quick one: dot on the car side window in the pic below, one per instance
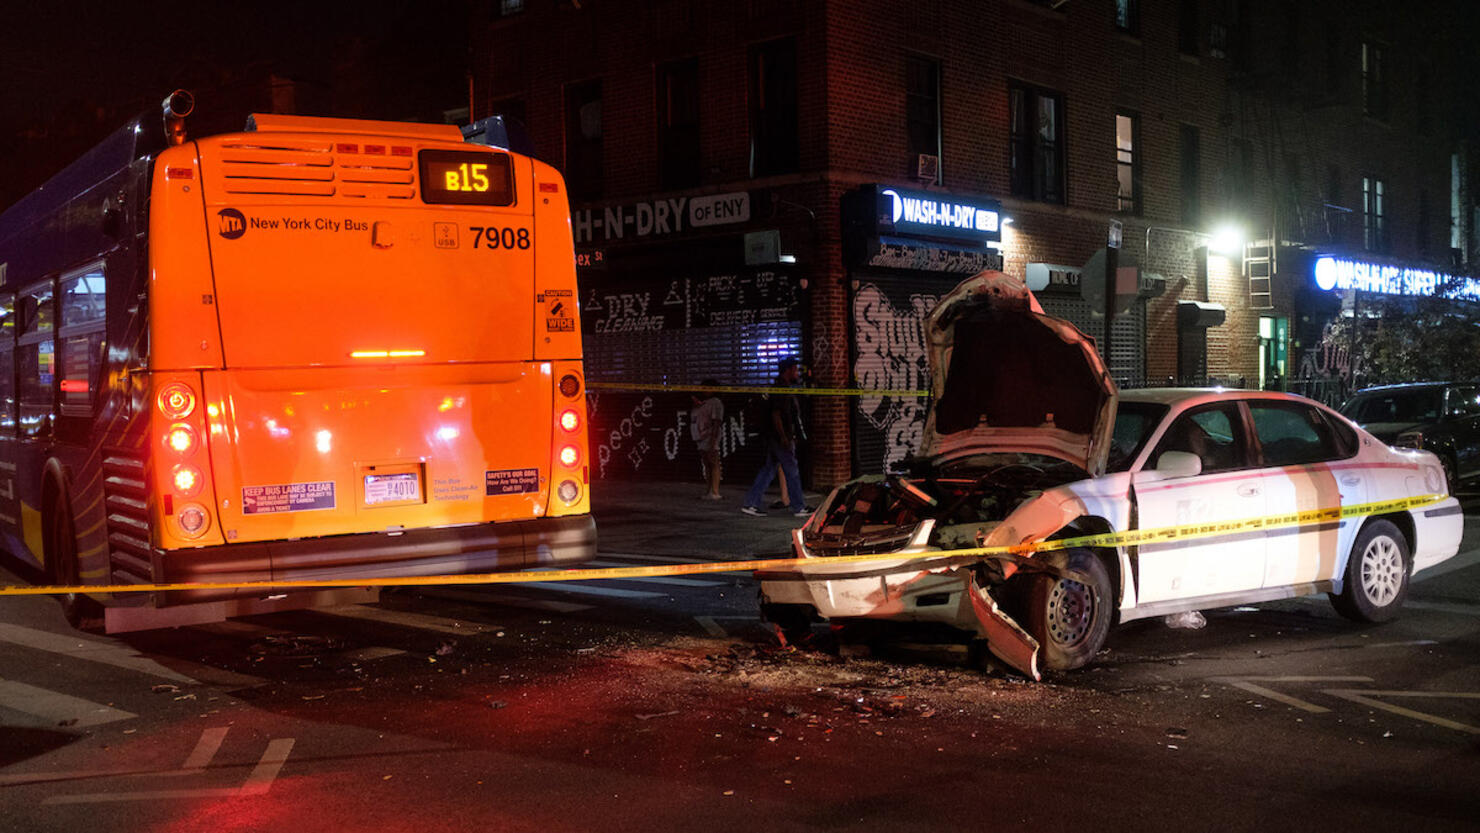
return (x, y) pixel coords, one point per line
(1210, 433)
(1292, 434)
(1463, 400)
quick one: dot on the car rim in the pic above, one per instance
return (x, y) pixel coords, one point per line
(1382, 571)
(1070, 610)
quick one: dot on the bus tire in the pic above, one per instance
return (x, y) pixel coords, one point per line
(81, 611)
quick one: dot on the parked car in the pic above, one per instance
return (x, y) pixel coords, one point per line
(1442, 417)
(1029, 440)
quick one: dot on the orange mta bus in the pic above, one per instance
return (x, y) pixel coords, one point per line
(315, 349)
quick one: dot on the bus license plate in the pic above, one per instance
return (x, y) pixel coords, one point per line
(385, 488)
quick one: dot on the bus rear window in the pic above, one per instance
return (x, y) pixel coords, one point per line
(460, 177)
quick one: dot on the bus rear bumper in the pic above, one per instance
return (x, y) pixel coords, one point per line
(459, 550)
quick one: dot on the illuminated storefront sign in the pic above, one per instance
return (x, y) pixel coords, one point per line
(1340, 273)
(927, 214)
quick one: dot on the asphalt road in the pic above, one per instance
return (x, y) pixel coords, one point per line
(664, 704)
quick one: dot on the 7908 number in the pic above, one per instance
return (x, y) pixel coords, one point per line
(493, 237)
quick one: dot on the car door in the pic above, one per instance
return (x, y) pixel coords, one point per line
(1304, 466)
(1226, 490)
(1462, 423)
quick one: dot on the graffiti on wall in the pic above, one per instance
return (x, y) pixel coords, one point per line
(891, 355)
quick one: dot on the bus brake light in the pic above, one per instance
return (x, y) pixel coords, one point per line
(569, 455)
(570, 420)
(180, 439)
(186, 480)
(570, 385)
(176, 400)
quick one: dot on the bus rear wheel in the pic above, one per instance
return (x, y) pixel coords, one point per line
(81, 611)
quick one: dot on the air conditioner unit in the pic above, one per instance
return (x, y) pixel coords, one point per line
(927, 167)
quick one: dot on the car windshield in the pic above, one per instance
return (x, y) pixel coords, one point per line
(1134, 422)
(1421, 405)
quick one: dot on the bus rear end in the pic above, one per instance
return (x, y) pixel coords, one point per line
(364, 359)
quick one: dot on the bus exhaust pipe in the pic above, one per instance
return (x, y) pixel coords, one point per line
(177, 105)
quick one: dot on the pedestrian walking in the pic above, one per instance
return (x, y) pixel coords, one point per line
(706, 423)
(781, 431)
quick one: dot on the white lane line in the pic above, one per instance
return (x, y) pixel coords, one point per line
(711, 626)
(370, 654)
(107, 653)
(205, 750)
(588, 590)
(420, 621)
(257, 783)
(56, 708)
(502, 599)
(260, 781)
(1369, 698)
(1249, 684)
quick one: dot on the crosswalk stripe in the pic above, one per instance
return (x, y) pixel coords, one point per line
(421, 621)
(56, 708)
(107, 653)
(589, 590)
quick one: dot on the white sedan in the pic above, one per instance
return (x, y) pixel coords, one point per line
(1029, 440)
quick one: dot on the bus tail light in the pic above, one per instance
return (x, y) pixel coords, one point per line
(570, 420)
(569, 385)
(569, 455)
(180, 439)
(569, 492)
(193, 520)
(176, 400)
(186, 480)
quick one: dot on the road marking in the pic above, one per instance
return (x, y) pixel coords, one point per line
(420, 621)
(370, 654)
(1368, 698)
(711, 626)
(205, 750)
(260, 781)
(1248, 684)
(56, 708)
(587, 590)
(257, 783)
(503, 599)
(106, 653)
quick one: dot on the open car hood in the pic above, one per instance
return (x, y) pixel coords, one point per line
(1005, 377)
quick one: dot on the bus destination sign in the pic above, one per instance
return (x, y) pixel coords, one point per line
(464, 177)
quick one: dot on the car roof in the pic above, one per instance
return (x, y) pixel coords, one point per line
(1184, 396)
(1406, 386)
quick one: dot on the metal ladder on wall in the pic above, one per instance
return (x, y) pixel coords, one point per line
(1259, 267)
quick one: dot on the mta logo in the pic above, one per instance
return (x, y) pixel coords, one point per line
(230, 223)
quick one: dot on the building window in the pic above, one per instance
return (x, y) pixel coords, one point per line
(1374, 80)
(1374, 232)
(1187, 27)
(583, 172)
(1128, 16)
(678, 124)
(507, 8)
(922, 109)
(1036, 145)
(773, 108)
(1189, 150)
(1127, 163)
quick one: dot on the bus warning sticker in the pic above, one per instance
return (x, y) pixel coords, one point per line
(288, 497)
(511, 481)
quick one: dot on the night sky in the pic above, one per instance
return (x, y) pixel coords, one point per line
(71, 72)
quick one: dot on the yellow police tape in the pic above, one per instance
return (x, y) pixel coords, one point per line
(645, 388)
(1109, 539)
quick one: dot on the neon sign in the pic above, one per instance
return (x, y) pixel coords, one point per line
(1333, 273)
(927, 214)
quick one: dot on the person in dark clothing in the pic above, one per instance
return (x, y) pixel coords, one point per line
(781, 433)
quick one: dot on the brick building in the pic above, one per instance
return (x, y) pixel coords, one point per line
(771, 177)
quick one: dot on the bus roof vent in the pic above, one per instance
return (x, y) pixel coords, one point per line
(275, 123)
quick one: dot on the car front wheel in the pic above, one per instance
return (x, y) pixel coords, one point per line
(1070, 617)
(1376, 575)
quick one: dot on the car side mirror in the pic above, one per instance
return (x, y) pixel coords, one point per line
(1178, 464)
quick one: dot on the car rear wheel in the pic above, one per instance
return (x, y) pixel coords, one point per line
(1070, 617)
(1376, 580)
